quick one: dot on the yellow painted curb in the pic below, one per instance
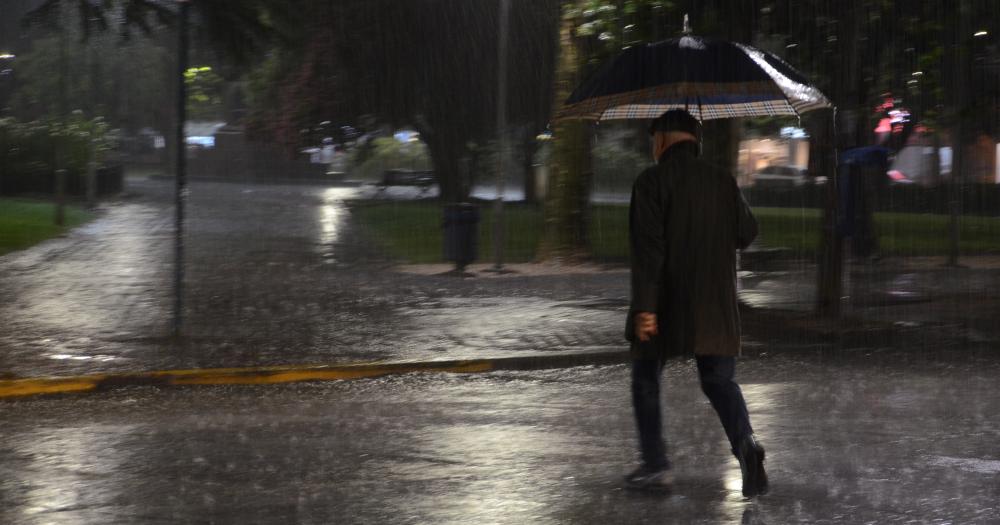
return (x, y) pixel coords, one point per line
(273, 375)
(230, 376)
(48, 385)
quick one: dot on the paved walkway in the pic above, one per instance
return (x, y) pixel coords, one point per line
(275, 275)
(280, 275)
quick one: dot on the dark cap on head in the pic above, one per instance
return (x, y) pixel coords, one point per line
(675, 120)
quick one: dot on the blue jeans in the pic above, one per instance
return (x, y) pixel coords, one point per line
(716, 375)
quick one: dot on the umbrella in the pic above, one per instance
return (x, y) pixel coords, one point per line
(709, 78)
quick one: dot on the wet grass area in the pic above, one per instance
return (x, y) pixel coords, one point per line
(411, 231)
(24, 223)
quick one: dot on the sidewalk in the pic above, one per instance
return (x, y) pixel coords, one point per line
(278, 275)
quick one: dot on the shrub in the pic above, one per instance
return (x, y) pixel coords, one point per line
(369, 161)
(38, 146)
(30, 152)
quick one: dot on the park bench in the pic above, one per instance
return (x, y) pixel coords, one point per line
(421, 179)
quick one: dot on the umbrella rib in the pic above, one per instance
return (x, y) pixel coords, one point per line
(761, 84)
(784, 84)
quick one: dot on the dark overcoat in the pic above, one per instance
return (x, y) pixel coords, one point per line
(687, 218)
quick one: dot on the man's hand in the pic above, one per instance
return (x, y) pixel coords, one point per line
(645, 326)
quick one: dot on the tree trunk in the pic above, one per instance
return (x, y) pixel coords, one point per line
(567, 199)
(565, 231)
(721, 138)
(446, 155)
(823, 163)
(849, 93)
(528, 149)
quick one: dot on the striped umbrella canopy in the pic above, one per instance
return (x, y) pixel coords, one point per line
(709, 78)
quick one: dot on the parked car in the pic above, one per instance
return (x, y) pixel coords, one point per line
(781, 177)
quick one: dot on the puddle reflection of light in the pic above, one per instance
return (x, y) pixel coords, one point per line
(734, 480)
(510, 453)
(764, 401)
(763, 396)
(67, 471)
(63, 357)
(331, 213)
(733, 507)
(124, 274)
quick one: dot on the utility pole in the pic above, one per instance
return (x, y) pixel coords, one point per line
(62, 155)
(498, 225)
(180, 188)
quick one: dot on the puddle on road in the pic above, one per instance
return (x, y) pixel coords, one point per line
(520, 323)
(330, 217)
(975, 465)
(70, 357)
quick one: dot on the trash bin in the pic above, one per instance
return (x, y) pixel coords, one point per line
(461, 223)
(861, 176)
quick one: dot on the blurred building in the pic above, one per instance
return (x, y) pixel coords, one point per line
(789, 151)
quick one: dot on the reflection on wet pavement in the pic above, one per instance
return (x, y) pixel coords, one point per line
(785, 290)
(68, 299)
(508, 325)
(857, 438)
(331, 217)
(39, 486)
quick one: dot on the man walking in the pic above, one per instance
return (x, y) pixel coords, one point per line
(686, 220)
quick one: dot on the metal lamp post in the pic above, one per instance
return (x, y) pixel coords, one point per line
(498, 226)
(180, 189)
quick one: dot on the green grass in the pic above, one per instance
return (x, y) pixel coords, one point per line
(796, 229)
(24, 223)
(915, 234)
(899, 234)
(609, 232)
(411, 231)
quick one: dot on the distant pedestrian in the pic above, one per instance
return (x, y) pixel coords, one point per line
(687, 218)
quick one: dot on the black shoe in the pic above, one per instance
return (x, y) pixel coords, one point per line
(656, 479)
(751, 458)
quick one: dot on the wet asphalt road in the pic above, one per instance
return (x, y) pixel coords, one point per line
(853, 438)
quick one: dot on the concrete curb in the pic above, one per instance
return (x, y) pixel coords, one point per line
(267, 375)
